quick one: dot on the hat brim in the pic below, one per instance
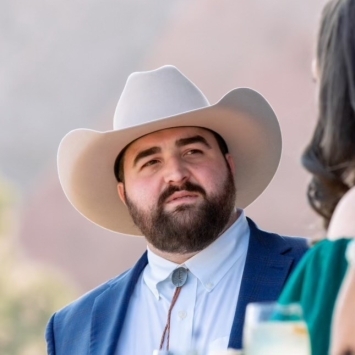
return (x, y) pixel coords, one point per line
(242, 117)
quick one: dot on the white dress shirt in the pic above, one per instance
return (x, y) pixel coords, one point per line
(202, 317)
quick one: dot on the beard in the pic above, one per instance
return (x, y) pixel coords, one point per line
(188, 228)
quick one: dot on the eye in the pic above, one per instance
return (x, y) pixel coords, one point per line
(150, 163)
(193, 152)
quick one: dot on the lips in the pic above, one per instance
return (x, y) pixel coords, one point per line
(181, 195)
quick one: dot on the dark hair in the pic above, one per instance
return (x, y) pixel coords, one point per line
(119, 162)
(330, 156)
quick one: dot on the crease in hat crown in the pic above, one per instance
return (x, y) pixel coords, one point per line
(160, 93)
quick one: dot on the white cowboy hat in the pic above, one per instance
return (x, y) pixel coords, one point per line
(160, 99)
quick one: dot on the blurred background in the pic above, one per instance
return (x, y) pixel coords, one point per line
(63, 65)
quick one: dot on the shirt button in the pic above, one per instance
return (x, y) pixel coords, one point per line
(182, 314)
(209, 285)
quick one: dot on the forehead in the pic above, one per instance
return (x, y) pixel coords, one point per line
(169, 135)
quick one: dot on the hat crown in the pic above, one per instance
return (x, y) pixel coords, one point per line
(151, 95)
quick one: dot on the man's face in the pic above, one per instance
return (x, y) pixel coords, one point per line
(179, 188)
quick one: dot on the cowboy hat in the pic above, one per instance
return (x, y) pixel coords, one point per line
(156, 100)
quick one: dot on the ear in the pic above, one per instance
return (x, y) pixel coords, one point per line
(230, 163)
(121, 192)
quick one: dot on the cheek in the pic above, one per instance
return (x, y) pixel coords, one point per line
(212, 177)
(142, 193)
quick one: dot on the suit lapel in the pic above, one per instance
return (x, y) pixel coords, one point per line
(110, 309)
(265, 273)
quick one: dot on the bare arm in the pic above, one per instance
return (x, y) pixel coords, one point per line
(343, 338)
(343, 225)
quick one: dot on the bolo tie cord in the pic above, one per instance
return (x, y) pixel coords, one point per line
(167, 327)
(179, 278)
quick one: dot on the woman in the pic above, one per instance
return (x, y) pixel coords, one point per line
(330, 158)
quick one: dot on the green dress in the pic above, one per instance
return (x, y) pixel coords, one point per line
(315, 284)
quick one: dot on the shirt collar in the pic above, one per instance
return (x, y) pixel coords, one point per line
(209, 265)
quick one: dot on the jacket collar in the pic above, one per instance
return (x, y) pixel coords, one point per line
(265, 273)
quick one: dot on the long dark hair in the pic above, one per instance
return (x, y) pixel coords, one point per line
(330, 156)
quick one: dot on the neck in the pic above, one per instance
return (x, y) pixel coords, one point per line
(178, 258)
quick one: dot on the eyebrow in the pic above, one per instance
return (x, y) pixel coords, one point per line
(190, 140)
(146, 153)
(179, 143)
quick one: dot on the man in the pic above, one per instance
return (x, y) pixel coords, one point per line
(179, 171)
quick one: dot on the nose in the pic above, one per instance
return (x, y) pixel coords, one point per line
(175, 171)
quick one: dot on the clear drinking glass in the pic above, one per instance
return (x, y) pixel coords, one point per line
(274, 329)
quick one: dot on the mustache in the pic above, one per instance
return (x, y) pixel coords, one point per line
(187, 186)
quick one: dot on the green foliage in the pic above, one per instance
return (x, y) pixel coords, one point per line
(29, 294)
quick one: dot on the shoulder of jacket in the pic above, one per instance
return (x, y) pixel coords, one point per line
(86, 301)
(302, 242)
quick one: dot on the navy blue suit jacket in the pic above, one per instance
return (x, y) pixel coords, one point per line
(93, 323)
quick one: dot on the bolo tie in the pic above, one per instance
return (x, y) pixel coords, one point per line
(179, 278)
